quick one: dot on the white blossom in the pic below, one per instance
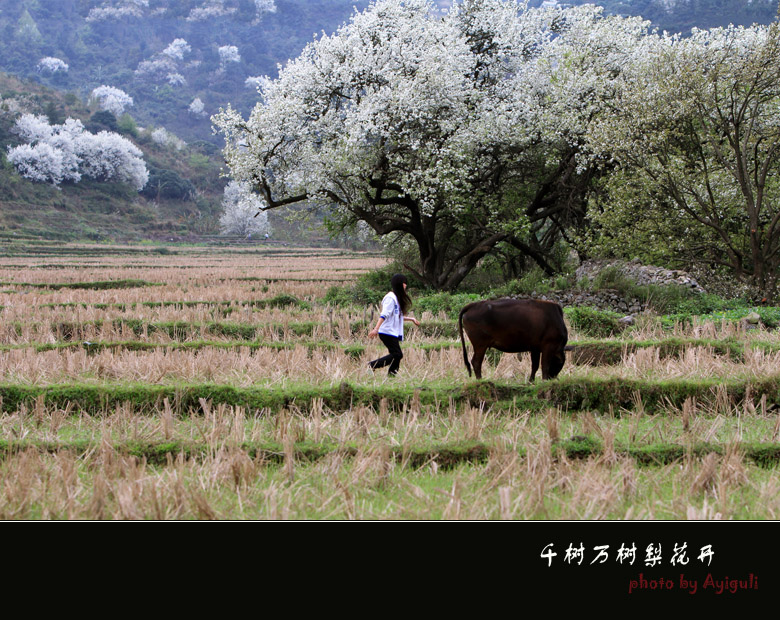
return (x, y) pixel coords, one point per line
(176, 79)
(197, 107)
(163, 137)
(112, 99)
(33, 128)
(228, 53)
(265, 6)
(52, 65)
(177, 49)
(457, 118)
(257, 82)
(163, 65)
(243, 214)
(212, 9)
(40, 162)
(66, 152)
(125, 8)
(109, 156)
(157, 68)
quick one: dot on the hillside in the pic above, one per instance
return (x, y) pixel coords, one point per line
(182, 196)
(227, 42)
(682, 15)
(181, 201)
(181, 61)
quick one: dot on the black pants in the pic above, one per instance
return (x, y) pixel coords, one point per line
(394, 358)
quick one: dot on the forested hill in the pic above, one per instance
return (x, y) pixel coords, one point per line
(682, 15)
(127, 44)
(224, 44)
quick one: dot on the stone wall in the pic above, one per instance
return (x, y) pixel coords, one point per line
(613, 300)
(603, 300)
(639, 273)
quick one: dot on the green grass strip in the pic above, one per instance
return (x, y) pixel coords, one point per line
(98, 285)
(184, 330)
(446, 455)
(594, 353)
(569, 394)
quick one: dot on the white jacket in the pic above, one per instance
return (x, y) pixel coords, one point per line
(394, 318)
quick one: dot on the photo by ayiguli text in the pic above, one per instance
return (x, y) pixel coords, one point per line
(652, 556)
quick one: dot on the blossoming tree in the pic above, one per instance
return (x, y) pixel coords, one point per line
(57, 153)
(454, 133)
(696, 136)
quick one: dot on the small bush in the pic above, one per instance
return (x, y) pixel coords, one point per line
(613, 278)
(533, 282)
(369, 289)
(448, 303)
(593, 322)
(285, 301)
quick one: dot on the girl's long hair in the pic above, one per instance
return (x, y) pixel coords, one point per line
(397, 284)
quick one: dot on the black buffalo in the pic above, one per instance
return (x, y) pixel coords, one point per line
(516, 326)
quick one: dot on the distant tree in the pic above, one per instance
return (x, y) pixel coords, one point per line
(66, 152)
(265, 6)
(167, 184)
(111, 99)
(126, 8)
(197, 107)
(448, 135)
(228, 54)
(242, 211)
(27, 30)
(49, 64)
(54, 113)
(695, 132)
(163, 137)
(210, 10)
(177, 49)
(156, 69)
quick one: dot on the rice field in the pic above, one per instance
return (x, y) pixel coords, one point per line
(216, 383)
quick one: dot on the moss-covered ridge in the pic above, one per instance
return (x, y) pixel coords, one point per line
(444, 455)
(569, 394)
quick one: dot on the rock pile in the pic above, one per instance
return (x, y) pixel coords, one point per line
(602, 300)
(614, 300)
(639, 273)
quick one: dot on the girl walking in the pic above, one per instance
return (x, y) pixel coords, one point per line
(390, 324)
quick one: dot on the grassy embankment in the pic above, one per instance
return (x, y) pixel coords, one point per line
(218, 383)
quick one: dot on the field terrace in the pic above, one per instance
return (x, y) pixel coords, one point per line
(214, 382)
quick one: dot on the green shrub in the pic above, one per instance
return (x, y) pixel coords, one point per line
(663, 299)
(103, 120)
(533, 282)
(612, 278)
(167, 184)
(593, 322)
(770, 315)
(126, 125)
(449, 303)
(284, 301)
(369, 289)
(339, 296)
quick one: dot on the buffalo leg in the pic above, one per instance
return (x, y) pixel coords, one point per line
(534, 365)
(552, 363)
(476, 361)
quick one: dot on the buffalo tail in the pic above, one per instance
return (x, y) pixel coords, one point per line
(463, 341)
